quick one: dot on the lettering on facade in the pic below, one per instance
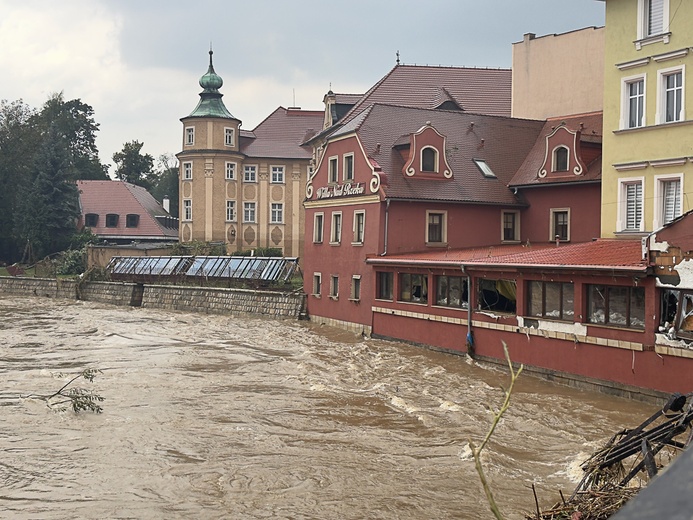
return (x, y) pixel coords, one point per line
(329, 192)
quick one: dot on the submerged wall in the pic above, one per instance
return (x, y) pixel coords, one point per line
(170, 297)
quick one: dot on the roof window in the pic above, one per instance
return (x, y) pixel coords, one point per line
(484, 168)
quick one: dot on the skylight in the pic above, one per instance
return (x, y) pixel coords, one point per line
(484, 168)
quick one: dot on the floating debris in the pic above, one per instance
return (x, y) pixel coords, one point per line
(630, 459)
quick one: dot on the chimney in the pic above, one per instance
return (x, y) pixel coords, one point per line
(166, 203)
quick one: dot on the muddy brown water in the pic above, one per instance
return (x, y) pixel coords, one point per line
(246, 418)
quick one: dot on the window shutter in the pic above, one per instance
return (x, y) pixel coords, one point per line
(633, 205)
(672, 199)
(655, 17)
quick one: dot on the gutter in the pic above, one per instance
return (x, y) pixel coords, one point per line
(387, 219)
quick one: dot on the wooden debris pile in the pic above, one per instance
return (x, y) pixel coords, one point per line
(616, 472)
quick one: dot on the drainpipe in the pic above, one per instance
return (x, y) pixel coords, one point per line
(387, 218)
(470, 334)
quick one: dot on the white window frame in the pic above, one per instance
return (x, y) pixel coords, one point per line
(250, 173)
(277, 175)
(187, 210)
(187, 171)
(317, 284)
(552, 224)
(318, 232)
(659, 218)
(249, 212)
(229, 136)
(333, 172)
(516, 238)
(359, 231)
(443, 231)
(643, 22)
(662, 76)
(436, 161)
(189, 135)
(345, 169)
(336, 226)
(230, 211)
(230, 170)
(625, 101)
(276, 212)
(554, 159)
(355, 293)
(334, 286)
(622, 217)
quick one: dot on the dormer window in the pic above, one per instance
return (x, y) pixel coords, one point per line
(560, 159)
(91, 219)
(132, 220)
(112, 220)
(429, 159)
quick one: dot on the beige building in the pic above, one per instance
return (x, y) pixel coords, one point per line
(558, 74)
(244, 188)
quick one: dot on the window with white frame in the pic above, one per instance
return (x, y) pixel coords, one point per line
(355, 288)
(187, 209)
(334, 286)
(230, 171)
(332, 170)
(429, 159)
(653, 18)
(630, 205)
(560, 224)
(277, 174)
(436, 227)
(250, 173)
(228, 136)
(187, 171)
(359, 226)
(670, 100)
(633, 102)
(510, 230)
(667, 199)
(249, 212)
(317, 284)
(318, 227)
(189, 135)
(277, 213)
(230, 210)
(560, 159)
(349, 167)
(336, 231)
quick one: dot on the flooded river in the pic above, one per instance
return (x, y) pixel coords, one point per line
(216, 417)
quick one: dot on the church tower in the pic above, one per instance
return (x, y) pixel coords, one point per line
(209, 164)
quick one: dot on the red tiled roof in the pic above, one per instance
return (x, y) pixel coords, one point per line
(610, 254)
(476, 91)
(502, 142)
(123, 198)
(280, 135)
(591, 132)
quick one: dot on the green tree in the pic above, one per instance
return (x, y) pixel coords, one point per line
(74, 120)
(19, 139)
(48, 206)
(165, 182)
(133, 166)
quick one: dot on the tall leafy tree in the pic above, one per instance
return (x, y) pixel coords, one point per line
(133, 166)
(74, 120)
(19, 139)
(48, 206)
(165, 182)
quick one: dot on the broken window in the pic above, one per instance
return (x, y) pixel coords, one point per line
(413, 288)
(619, 306)
(451, 291)
(551, 300)
(497, 295)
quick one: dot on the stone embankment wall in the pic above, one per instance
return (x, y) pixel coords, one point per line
(169, 297)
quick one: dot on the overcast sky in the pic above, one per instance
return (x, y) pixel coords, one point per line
(138, 62)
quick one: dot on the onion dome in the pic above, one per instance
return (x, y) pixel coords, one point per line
(210, 104)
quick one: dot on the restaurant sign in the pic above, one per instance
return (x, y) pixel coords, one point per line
(342, 190)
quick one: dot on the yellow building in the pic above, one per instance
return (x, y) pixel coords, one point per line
(648, 133)
(244, 188)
